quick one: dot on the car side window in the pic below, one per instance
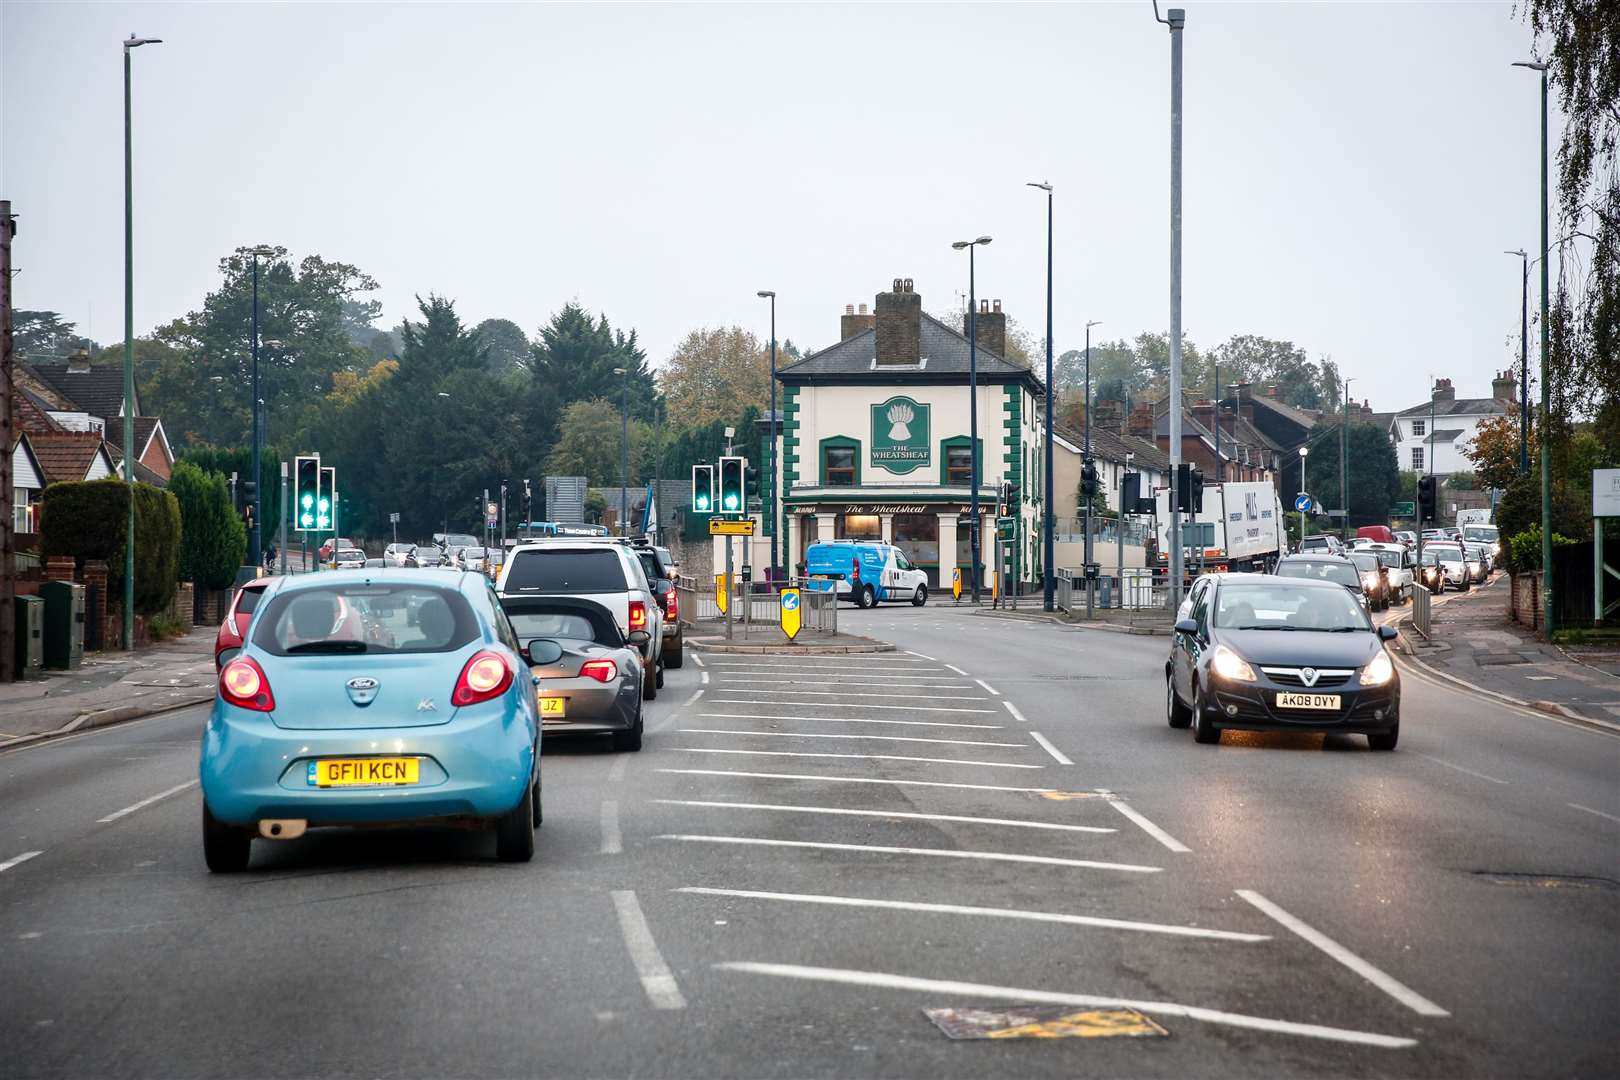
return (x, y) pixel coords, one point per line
(1200, 611)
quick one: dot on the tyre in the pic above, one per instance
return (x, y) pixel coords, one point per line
(539, 816)
(868, 597)
(1386, 740)
(225, 847)
(629, 741)
(658, 678)
(920, 597)
(649, 684)
(1204, 729)
(514, 830)
(676, 657)
(1175, 712)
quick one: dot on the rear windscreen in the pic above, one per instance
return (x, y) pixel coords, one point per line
(248, 601)
(563, 624)
(365, 618)
(566, 572)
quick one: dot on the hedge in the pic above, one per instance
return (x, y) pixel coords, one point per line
(88, 520)
(213, 540)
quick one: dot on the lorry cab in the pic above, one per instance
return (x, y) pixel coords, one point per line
(865, 572)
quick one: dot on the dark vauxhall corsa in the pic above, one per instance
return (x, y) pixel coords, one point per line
(1268, 653)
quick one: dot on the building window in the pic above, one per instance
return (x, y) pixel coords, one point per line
(956, 462)
(1417, 459)
(859, 527)
(840, 462)
(1418, 427)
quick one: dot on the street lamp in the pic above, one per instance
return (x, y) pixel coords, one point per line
(132, 42)
(1085, 460)
(1237, 414)
(624, 461)
(1048, 542)
(1524, 361)
(1304, 451)
(444, 513)
(770, 508)
(254, 551)
(1344, 474)
(973, 406)
(1546, 395)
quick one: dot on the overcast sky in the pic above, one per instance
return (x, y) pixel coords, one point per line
(1353, 171)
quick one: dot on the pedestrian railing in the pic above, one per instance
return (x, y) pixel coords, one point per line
(1420, 610)
(756, 607)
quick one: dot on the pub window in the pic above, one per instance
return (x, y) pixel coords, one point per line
(838, 466)
(959, 466)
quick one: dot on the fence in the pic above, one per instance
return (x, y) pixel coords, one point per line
(1140, 589)
(756, 607)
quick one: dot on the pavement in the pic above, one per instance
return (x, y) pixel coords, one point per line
(810, 853)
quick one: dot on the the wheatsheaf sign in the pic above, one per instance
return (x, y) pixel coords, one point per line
(900, 435)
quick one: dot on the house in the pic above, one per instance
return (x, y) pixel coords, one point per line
(1114, 453)
(1431, 437)
(72, 455)
(86, 397)
(27, 481)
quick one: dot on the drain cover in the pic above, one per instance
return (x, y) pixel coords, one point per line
(1547, 881)
(1043, 1022)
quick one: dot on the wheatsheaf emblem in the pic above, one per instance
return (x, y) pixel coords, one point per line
(900, 417)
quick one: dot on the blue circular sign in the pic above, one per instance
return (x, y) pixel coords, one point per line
(1302, 503)
(790, 601)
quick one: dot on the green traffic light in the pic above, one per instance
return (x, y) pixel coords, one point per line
(731, 502)
(703, 502)
(308, 500)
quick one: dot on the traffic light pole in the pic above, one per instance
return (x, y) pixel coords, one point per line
(281, 526)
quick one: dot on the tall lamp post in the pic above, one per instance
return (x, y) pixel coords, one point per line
(973, 406)
(255, 551)
(1524, 361)
(1085, 460)
(624, 459)
(1176, 21)
(1344, 469)
(1048, 541)
(1304, 452)
(1546, 393)
(132, 42)
(770, 508)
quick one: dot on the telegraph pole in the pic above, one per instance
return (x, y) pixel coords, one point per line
(8, 438)
(1176, 21)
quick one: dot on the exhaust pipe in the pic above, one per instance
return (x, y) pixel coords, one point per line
(282, 828)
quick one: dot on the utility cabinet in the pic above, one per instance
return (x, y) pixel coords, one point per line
(30, 636)
(64, 624)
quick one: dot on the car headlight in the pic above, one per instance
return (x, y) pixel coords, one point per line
(1379, 672)
(1229, 665)
(1369, 580)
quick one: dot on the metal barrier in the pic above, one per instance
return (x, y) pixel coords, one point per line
(1420, 610)
(755, 607)
(1063, 594)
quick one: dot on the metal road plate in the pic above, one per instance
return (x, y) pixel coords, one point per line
(1043, 1022)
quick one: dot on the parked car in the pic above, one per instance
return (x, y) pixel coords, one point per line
(233, 628)
(1231, 667)
(331, 544)
(350, 558)
(1332, 568)
(1374, 579)
(396, 554)
(661, 576)
(601, 569)
(1323, 543)
(588, 672)
(864, 572)
(1398, 564)
(372, 699)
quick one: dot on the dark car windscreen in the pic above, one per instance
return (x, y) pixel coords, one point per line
(596, 571)
(1365, 560)
(1281, 606)
(562, 624)
(248, 601)
(365, 618)
(1391, 559)
(1339, 570)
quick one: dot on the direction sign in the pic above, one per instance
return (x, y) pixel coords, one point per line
(1302, 503)
(726, 527)
(792, 616)
(1403, 509)
(720, 592)
(1005, 527)
(956, 583)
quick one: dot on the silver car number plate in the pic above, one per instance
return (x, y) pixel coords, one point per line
(1307, 701)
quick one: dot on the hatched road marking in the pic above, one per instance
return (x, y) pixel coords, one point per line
(1016, 715)
(1059, 756)
(1151, 829)
(856, 780)
(843, 719)
(16, 860)
(1572, 806)
(851, 705)
(862, 757)
(612, 841)
(941, 853)
(841, 692)
(844, 811)
(844, 735)
(656, 978)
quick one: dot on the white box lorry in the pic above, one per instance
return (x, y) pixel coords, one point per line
(1239, 529)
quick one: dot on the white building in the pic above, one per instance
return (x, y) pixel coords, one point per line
(1431, 437)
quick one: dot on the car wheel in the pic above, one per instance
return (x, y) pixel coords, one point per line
(629, 741)
(920, 597)
(539, 814)
(1204, 729)
(514, 830)
(868, 597)
(649, 684)
(658, 677)
(1385, 740)
(226, 848)
(1175, 712)
(676, 658)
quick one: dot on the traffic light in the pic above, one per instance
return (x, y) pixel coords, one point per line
(703, 489)
(1004, 497)
(1130, 492)
(751, 480)
(1195, 494)
(1425, 498)
(733, 493)
(1181, 488)
(326, 498)
(249, 489)
(1090, 484)
(307, 471)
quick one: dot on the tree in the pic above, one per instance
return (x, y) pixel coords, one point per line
(713, 373)
(213, 539)
(1494, 450)
(1374, 482)
(576, 355)
(509, 349)
(46, 337)
(590, 444)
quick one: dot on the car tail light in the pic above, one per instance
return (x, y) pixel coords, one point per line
(672, 609)
(242, 683)
(638, 615)
(603, 671)
(485, 676)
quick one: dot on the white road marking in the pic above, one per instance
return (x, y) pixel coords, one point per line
(1460, 769)
(656, 978)
(1388, 984)
(17, 859)
(949, 989)
(703, 677)
(1575, 806)
(925, 656)
(1046, 744)
(883, 849)
(698, 660)
(841, 692)
(148, 801)
(1000, 913)
(693, 699)
(892, 684)
(1151, 829)
(616, 773)
(1016, 715)
(867, 661)
(959, 671)
(843, 811)
(851, 705)
(988, 687)
(846, 720)
(844, 735)
(612, 841)
(863, 757)
(1542, 678)
(856, 780)
(835, 672)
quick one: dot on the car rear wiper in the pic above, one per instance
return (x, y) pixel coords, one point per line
(327, 647)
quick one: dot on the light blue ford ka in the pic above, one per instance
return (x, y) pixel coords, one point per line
(372, 697)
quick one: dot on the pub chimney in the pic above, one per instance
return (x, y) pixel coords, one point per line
(898, 320)
(853, 322)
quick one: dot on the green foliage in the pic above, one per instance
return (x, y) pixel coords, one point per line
(46, 337)
(507, 347)
(1524, 549)
(213, 539)
(576, 355)
(1463, 481)
(1374, 482)
(1520, 508)
(87, 520)
(165, 626)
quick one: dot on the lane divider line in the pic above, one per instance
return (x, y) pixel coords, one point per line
(832, 672)
(988, 687)
(1573, 806)
(693, 699)
(1059, 756)
(1016, 715)
(656, 978)
(612, 840)
(925, 656)
(698, 660)
(1148, 827)
(851, 705)
(841, 692)
(846, 720)
(938, 853)
(856, 780)
(998, 913)
(891, 684)
(1385, 982)
(950, 988)
(616, 773)
(846, 735)
(17, 860)
(862, 757)
(1459, 768)
(907, 814)
(148, 801)
(703, 677)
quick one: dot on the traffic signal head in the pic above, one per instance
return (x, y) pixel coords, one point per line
(1195, 496)
(306, 472)
(1425, 498)
(326, 497)
(733, 492)
(1090, 485)
(703, 489)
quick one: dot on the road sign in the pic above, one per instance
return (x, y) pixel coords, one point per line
(1302, 503)
(720, 592)
(791, 614)
(1403, 509)
(1005, 527)
(956, 583)
(725, 527)
(492, 513)
(393, 519)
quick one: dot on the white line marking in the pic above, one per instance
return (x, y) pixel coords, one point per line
(1541, 678)
(693, 699)
(925, 656)
(148, 801)
(1020, 717)
(837, 673)
(891, 684)
(949, 989)
(855, 780)
(790, 662)
(1388, 984)
(703, 677)
(883, 849)
(17, 859)
(612, 841)
(845, 735)
(656, 978)
(847, 720)
(863, 757)
(988, 687)
(959, 671)
(1000, 913)
(698, 660)
(616, 773)
(841, 692)
(1151, 829)
(842, 811)
(1460, 769)
(1058, 755)
(851, 705)
(1575, 806)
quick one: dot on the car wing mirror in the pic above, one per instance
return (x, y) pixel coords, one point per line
(638, 637)
(1388, 633)
(1186, 626)
(543, 651)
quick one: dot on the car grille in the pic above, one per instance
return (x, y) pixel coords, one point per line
(1291, 677)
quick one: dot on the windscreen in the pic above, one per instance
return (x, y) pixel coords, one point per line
(1483, 534)
(1280, 606)
(594, 571)
(366, 618)
(1365, 560)
(1390, 559)
(1340, 570)
(560, 624)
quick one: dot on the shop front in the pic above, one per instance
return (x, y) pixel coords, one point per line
(933, 535)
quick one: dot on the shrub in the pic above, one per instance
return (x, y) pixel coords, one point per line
(213, 540)
(87, 520)
(1524, 550)
(165, 625)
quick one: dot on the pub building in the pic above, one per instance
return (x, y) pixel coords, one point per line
(874, 441)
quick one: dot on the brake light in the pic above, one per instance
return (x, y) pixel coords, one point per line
(638, 615)
(603, 671)
(242, 683)
(485, 676)
(672, 610)
(855, 573)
